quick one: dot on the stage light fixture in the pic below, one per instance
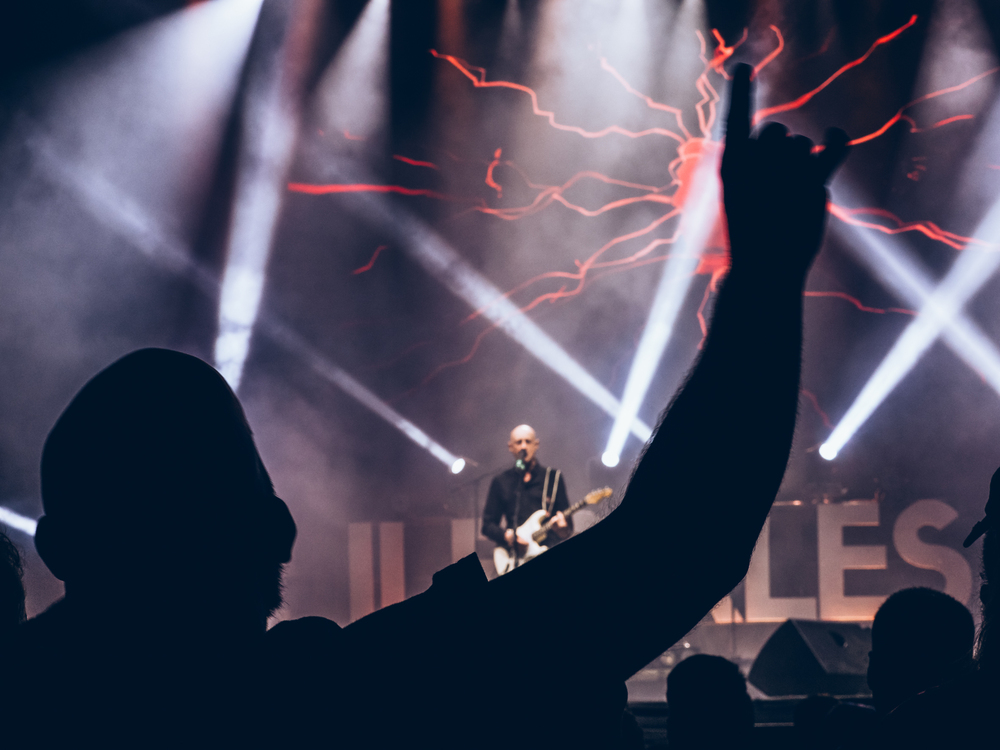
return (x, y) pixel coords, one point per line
(610, 459)
(457, 466)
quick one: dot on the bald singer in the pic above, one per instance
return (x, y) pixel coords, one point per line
(516, 494)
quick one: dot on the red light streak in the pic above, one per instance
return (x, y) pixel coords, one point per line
(797, 103)
(811, 398)
(926, 228)
(368, 266)
(479, 81)
(914, 129)
(774, 53)
(415, 162)
(722, 52)
(714, 262)
(858, 304)
(351, 137)
(489, 173)
(310, 189)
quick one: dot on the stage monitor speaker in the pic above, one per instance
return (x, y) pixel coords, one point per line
(805, 657)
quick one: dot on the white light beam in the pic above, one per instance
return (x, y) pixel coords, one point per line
(116, 210)
(17, 521)
(271, 116)
(973, 268)
(893, 266)
(700, 214)
(438, 258)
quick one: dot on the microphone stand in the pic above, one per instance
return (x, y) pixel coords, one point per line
(521, 468)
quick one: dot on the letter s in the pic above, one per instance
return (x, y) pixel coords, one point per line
(949, 563)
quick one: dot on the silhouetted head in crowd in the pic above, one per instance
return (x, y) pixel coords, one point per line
(631, 737)
(11, 587)
(988, 651)
(988, 654)
(920, 638)
(707, 704)
(809, 717)
(156, 499)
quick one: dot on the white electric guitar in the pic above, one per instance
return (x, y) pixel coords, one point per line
(535, 530)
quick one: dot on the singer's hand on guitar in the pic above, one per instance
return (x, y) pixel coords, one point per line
(508, 536)
(560, 520)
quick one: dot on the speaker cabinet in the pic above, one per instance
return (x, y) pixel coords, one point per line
(804, 657)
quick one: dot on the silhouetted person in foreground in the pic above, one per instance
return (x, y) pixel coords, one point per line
(11, 590)
(708, 705)
(809, 719)
(920, 638)
(966, 711)
(162, 522)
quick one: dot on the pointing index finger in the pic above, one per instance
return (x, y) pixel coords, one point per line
(738, 121)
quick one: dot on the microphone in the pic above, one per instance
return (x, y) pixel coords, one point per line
(520, 463)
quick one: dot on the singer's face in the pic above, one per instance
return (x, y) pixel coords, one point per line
(523, 438)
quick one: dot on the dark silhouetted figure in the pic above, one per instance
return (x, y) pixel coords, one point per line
(966, 711)
(708, 705)
(162, 522)
(809, 719)
(632, 737)
(920, 638)
(11, 590)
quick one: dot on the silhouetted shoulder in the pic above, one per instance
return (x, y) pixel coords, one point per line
(959, 714)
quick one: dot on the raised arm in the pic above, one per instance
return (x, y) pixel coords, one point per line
(683, 534)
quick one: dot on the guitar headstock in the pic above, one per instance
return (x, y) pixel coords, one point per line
(595, 496)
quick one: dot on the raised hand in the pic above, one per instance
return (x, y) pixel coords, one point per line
(774, 185)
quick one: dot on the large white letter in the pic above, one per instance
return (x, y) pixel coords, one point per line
(760, 605)
(946, 561)
(835, 557)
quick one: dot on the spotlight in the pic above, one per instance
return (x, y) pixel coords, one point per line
(827, 451)
(610, 459)
(457, 466)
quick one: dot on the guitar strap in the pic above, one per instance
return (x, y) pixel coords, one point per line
(548, 503)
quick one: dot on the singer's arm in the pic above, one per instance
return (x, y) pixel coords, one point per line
(683, 534)
(493, 513)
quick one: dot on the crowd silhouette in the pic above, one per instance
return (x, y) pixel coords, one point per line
(162, 521)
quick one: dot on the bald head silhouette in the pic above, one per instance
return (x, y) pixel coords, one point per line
(151, 481)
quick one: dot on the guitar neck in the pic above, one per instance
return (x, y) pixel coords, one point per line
(547, 526)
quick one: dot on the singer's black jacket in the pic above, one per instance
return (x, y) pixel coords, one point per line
(503, 496)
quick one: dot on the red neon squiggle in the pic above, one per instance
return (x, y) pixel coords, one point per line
(774, 53)
(489, 173)
(368, 266)
(415, 162)
(940, 92)
(310, 189)
(479, 81)
(797, 103)
(811, 398)
(927, 228)
(672, 197)
(858, 304)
